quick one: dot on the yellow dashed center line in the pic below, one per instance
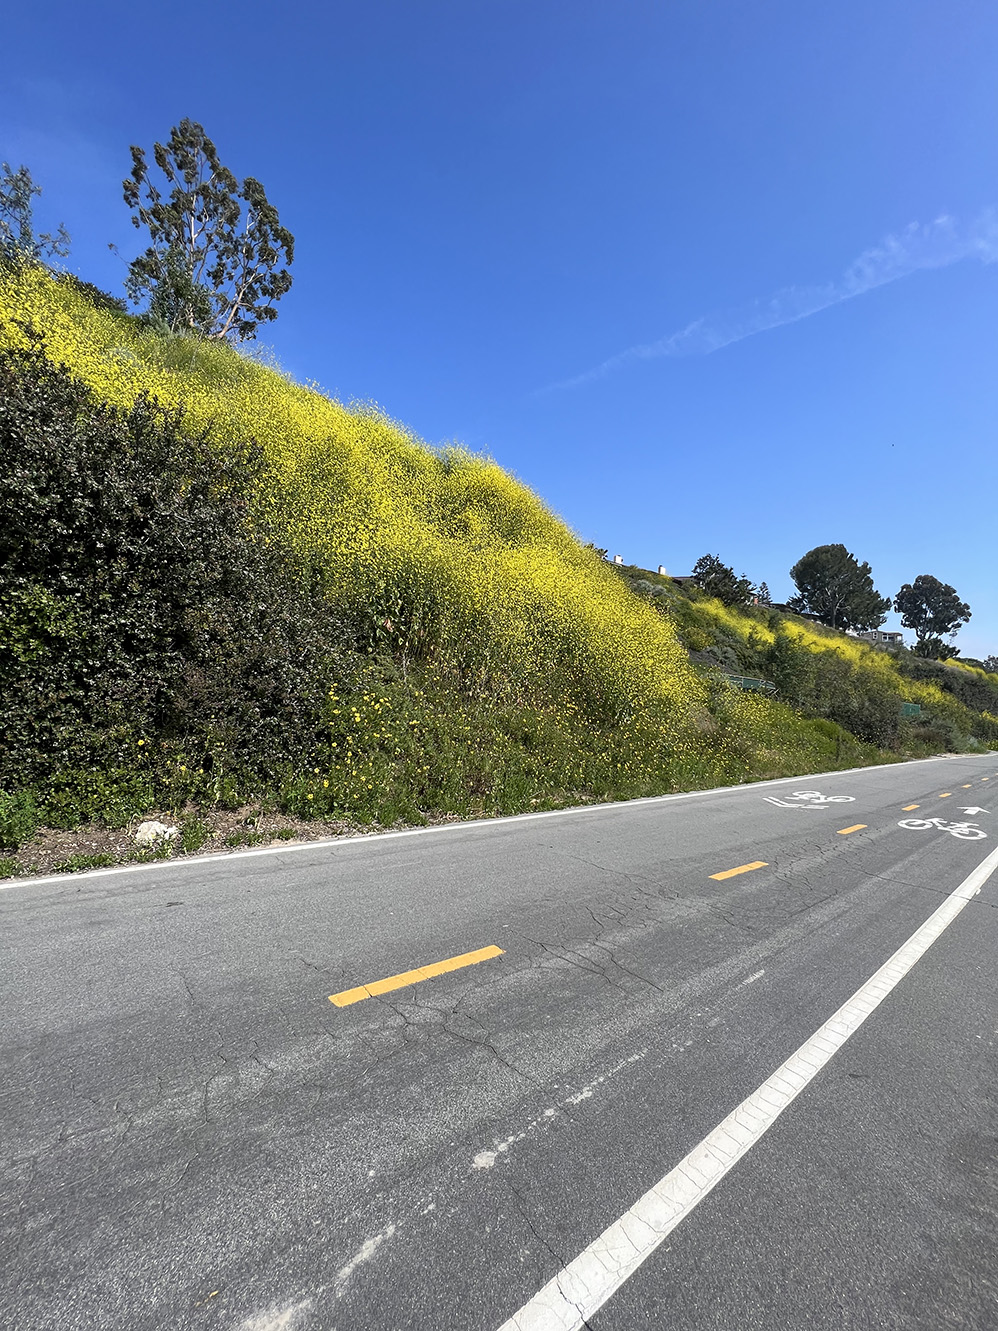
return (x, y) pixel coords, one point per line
(742, 868)
(856, 827)
(967, 786)
(946, 794)
(416, 976)
(908, 808)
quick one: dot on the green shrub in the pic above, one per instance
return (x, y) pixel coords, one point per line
(161, 850)
(19, 819)
(973, 688)
(80, 863)
(726, 657)
(240, 838)
(9, 868)
(194, 832)
(113, 797)
(146, 613)
(791, 667)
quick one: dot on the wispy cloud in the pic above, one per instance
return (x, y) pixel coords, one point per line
(921, 245)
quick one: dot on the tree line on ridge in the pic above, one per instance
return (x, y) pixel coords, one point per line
(836, 589)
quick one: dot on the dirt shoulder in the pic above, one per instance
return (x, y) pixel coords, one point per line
(198, 832)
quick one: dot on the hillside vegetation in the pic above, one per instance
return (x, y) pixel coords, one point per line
(825, 673)
(224, 590)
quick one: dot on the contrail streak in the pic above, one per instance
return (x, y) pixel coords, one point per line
(921, 245)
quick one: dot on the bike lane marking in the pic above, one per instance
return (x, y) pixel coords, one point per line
(965, 831)
(809, 799)
(581, 1287)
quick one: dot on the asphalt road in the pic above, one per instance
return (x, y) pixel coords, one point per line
(195, 1136)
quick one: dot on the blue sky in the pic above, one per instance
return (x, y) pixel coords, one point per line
(707, 275)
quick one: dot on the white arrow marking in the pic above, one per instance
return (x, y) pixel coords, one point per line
(974, 809)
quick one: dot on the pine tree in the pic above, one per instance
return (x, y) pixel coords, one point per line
(934, 610)
(835, 587)
(716, 579)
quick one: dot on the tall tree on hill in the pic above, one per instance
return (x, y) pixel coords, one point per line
(764, 596)
(717, 579)
(214, 263)
(834, 586)
(18, 242)
(934, 610)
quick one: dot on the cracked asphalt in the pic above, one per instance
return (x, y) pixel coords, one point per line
(193, 1136)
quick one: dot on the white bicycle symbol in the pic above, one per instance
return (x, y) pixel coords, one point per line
(965, 831)
(809, 799)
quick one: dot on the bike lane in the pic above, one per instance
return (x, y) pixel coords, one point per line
(873, 1200)
(637, 999)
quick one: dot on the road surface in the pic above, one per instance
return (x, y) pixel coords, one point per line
(195, 1136)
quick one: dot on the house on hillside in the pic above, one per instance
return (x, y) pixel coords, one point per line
(881, 639)
(681, 579)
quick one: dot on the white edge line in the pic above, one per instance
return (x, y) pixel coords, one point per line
(223, 857)
(579, 1289)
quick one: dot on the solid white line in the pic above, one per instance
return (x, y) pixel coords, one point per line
(579, 1289)
(223, 857)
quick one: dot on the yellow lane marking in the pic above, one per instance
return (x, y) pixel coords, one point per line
(742, 868)
(967, 786)
(908, 808)
(985, 778)
(421, 973)
(946, 794)
(856, 827)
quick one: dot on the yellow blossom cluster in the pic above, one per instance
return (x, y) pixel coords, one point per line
(509, 665)
(446, 554)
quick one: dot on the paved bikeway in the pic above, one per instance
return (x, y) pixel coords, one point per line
(195, 1136)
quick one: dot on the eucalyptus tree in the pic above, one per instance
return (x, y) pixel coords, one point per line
(218, 256)
(18, 242)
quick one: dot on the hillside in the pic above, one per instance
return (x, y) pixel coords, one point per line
(224, 593)
(826, 673)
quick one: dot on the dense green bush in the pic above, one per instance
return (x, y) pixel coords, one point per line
(148, 619)
(792, 668)
(19, 819)
(972, 688)
(110, 795)
(824, 673)
(824, 684)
